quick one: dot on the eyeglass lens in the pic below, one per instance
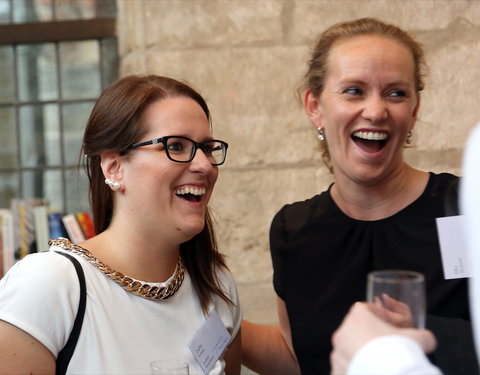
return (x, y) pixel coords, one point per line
(183, 150)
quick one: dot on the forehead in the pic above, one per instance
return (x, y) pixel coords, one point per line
(370, 54)
(178, 115)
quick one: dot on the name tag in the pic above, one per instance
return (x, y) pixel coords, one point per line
(453, 247)
(209, 342)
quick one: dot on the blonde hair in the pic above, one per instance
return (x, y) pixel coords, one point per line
(317, 66)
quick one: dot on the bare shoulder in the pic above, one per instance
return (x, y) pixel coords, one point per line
(21, 353)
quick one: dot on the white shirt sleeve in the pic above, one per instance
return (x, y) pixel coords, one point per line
(391, 355)
(470, 207)
(40, 295)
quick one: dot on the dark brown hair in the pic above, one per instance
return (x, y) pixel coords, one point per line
(317, 67)
(113, 126)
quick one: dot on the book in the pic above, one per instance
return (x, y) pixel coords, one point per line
(24, 226)
(7, 241)
(73, 228)
(86, 223)
(55, 225)
(42, 233)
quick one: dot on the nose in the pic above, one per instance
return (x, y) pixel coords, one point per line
(375, 109)
(200, 162)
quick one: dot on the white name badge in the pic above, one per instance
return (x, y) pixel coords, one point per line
(209, 342)
(453, 246)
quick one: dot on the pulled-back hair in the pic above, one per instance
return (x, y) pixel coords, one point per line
(317, 67)
(113, 126)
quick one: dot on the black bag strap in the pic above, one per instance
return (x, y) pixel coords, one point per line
(66, 353)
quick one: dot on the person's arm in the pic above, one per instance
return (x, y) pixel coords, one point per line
(361, 329)
(268, 350)
(233, 356)
(23, 354)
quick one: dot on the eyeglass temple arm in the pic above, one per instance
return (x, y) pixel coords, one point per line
(151, 142)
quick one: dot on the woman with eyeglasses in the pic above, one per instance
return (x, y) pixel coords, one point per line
(156, 285)
(362, 94)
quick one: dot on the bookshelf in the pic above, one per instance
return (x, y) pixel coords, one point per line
(28, 224)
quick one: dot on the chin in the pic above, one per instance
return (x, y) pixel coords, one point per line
(193, 229)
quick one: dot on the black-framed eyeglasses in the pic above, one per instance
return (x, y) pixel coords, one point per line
(182, 149)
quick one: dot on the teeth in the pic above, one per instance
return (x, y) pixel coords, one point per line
(190, 190)
(371, 136)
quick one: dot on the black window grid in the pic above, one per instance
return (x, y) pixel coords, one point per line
(15, 35)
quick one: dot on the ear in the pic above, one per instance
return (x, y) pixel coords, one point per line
(111, 164)
(416, 109)
(312, 107)
(417, 106)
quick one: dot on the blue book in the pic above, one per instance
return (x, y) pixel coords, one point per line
(55, 225)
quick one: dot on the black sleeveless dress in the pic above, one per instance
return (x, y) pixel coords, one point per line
(321, 259)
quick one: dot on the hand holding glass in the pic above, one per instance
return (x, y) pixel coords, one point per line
(169, 367)
(401, 295)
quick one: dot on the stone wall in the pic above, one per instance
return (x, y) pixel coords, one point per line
(247, 58)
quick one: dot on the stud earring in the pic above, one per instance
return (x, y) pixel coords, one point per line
(113, 185)
(408, 140)
(321, 134)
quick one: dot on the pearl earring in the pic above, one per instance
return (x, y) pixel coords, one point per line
(321, 134)
(113, 185)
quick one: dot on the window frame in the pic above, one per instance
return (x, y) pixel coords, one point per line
(53, 32)
(57, 31)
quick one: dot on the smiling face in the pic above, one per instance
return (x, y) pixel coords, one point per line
(367, 107)
(168, 198)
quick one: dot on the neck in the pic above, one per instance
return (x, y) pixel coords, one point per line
(381, 199)
(140, 257)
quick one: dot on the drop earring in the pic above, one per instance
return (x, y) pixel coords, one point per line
(321, 134)
(113, 185)
(408, 140)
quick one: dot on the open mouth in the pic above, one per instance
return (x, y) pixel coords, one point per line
(370, 141)
(191, 194)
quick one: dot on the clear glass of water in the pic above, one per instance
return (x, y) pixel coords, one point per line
(402, 295)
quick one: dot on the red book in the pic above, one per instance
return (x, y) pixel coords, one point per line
(86, 223)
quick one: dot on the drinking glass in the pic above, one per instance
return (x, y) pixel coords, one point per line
(169, 367)
(401, 293)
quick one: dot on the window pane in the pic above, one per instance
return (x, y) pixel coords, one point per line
(32, 182)
(109, 61)
(32, 11)
(8, 139)
(7, 67)
(39, 135)
(80, 69)
(106, 9)
(84, 9)
(5, 12)
(75, 9)
(46, 184)
(75, 118)
(37, 79)
(53, 189)
(77, 191)
(9, 188)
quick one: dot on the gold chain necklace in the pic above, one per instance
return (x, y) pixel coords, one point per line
(130, 285)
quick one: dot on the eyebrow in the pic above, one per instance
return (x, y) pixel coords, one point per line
(355, 81)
